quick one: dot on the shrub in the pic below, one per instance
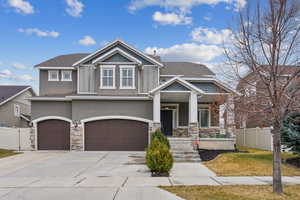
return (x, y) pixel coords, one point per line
(161, 137)
(159, 158)
(290, 132)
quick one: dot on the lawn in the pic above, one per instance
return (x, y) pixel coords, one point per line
(243, 192)
(254, 163)
(6, 153)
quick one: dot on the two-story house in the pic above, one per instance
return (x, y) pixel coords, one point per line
(253, 107)
(113, 98)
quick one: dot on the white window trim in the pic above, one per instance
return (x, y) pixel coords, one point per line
(175, 113)
(17, 110)
(62, 75)
(49, 77)
(102, 67)
(133, 76)
(201, 106)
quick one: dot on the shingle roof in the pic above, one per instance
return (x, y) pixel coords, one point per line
(187, 69)
(63, 60)
(7, 91)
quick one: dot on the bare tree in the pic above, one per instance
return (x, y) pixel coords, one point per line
(266, 43)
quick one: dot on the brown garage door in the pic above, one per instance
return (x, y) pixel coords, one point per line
(54, 135)
(116, 135)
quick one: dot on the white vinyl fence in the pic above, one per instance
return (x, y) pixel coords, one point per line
(258, 138)
(15, 138)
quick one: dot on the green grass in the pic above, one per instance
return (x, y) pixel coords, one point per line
(6, 153)
(234, 192)
(254, 163)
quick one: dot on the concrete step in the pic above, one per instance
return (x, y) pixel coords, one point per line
(183, 150)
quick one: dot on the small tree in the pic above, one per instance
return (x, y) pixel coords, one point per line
(161, 137)
(290, 133)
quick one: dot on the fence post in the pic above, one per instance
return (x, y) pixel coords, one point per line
(19, 134)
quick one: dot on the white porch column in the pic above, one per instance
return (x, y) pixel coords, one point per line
(156, 111)
(193, 108)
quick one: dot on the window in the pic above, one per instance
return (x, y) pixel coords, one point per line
(127, 77)
(66, 75)
(107, 77)
(53, 75)
(204, 117)
(17, 110)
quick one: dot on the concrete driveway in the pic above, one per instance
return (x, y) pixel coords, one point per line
(89, 175)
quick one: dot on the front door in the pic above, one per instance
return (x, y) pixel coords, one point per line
(166, 117)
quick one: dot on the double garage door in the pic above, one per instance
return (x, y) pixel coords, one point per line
(102, 135)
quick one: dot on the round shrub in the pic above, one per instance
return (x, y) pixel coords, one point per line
(161, 137)
(159, 158)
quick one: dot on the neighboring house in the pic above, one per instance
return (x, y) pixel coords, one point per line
(15, 106)
(113, 98)
(251, 108)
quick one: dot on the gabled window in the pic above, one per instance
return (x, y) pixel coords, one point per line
(66, 75)
(107, 77)
(53, 75)
(127, 77)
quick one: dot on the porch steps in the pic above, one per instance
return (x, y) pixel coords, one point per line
(183, 150)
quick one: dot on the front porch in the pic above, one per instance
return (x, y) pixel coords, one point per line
(191, 110)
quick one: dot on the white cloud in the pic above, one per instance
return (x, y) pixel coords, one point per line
(188, 52)
(74, 8)
(19, 66)
(21, 6)
(183, 5)
(39, 33)
(171, 18)
(211, 36)
(207, 18)
(87, 41)
(7, 74)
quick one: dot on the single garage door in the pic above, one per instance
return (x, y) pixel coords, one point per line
(54, 135)
(116, 135)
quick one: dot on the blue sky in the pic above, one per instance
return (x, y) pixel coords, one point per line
(36, 30)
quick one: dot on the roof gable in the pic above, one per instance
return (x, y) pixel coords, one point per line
(117, 51)
(143, 58)
(9, 92)
(177, 80)
(176, 86)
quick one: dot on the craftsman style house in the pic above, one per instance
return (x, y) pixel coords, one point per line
(112, 99)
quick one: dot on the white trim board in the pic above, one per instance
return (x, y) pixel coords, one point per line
(49, 68)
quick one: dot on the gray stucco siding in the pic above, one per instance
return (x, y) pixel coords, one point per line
(48, 108)
(87, 109)
(57, 87)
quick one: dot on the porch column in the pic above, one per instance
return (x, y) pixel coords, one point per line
(193, 116)
(156, 111)
(193, 108)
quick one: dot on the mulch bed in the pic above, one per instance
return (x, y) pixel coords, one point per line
(293, 161)
(207, 155)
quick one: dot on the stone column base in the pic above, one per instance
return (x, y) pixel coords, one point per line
(193, 132)
(32, 138)
(77, 138)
